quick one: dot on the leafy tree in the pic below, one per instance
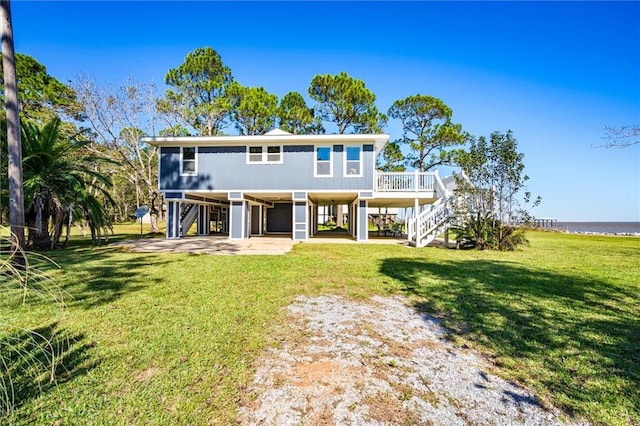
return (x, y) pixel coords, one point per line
(294, 115)
(41, 96)
(347, 102)
(253, 110)
(391, 158)
(428, 131)
(196, 97)
(118, 118)
(61, 182)
(491, 194)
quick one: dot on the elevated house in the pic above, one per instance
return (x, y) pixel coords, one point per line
(277, 183)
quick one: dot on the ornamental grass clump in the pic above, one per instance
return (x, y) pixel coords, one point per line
(28, 356)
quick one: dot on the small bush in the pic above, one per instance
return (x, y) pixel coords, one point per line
(489, 234)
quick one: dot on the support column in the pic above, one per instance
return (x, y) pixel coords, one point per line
(247, 218)
(237, 220)
(315, 220)
(300, 221)
(224, 214)
(203, 220)
(353, 218)
(362, 225)
(173, 219)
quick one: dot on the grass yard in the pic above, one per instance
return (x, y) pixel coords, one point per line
(170, 338)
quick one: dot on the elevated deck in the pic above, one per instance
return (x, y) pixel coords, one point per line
(401, 189)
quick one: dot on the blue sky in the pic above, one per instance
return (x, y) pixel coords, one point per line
(554, 73)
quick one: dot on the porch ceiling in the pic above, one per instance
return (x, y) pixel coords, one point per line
(399, 202)
(333, 197)
(269, 196)
(381, 199)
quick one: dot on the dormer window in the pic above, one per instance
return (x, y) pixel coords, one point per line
(264, 155)
(189, 161)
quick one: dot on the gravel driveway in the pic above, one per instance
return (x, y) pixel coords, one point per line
(378, 362)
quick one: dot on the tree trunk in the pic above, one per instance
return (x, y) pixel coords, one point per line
(16, 202)
(57, 223)
(37, 240)
(339, 221)
(95, 233)
(153, 212)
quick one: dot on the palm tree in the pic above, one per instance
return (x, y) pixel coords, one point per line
(61, 183)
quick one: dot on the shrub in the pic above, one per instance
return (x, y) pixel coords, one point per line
(489, 233)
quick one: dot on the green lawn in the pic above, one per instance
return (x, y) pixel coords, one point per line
(170, 338)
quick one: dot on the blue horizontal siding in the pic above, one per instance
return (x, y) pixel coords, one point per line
(226, 168)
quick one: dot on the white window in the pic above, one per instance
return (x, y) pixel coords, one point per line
(189, 161)
(261, 154)
(255, 154)
(274, 154)
(323, 162)
(353, 161)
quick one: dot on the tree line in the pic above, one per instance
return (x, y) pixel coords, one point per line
(90, 133)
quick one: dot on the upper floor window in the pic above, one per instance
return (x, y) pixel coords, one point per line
(261, 154)
(353, 161)
(274, 154)
(189, 160)
(323, 161)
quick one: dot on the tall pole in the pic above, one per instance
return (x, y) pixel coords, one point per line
(16, 202)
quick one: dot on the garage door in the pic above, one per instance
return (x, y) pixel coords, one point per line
(280, 218)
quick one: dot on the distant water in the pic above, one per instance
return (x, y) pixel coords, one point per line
(599, 227)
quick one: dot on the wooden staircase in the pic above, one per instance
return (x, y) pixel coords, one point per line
(436, 218)
(187, 217)
(430, 223)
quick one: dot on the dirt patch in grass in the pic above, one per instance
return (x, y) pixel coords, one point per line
(146, 375)
(379, 362)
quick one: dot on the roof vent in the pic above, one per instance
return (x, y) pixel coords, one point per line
(277, 132)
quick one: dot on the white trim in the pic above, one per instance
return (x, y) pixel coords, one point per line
(158, 175)
(264, 154)
(293, 220)
(344, 163)
(379, 140)
(315, 161)
(266, 191)
(195, 160)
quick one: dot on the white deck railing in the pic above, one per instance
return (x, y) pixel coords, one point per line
(424, 228)
(406, 181)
